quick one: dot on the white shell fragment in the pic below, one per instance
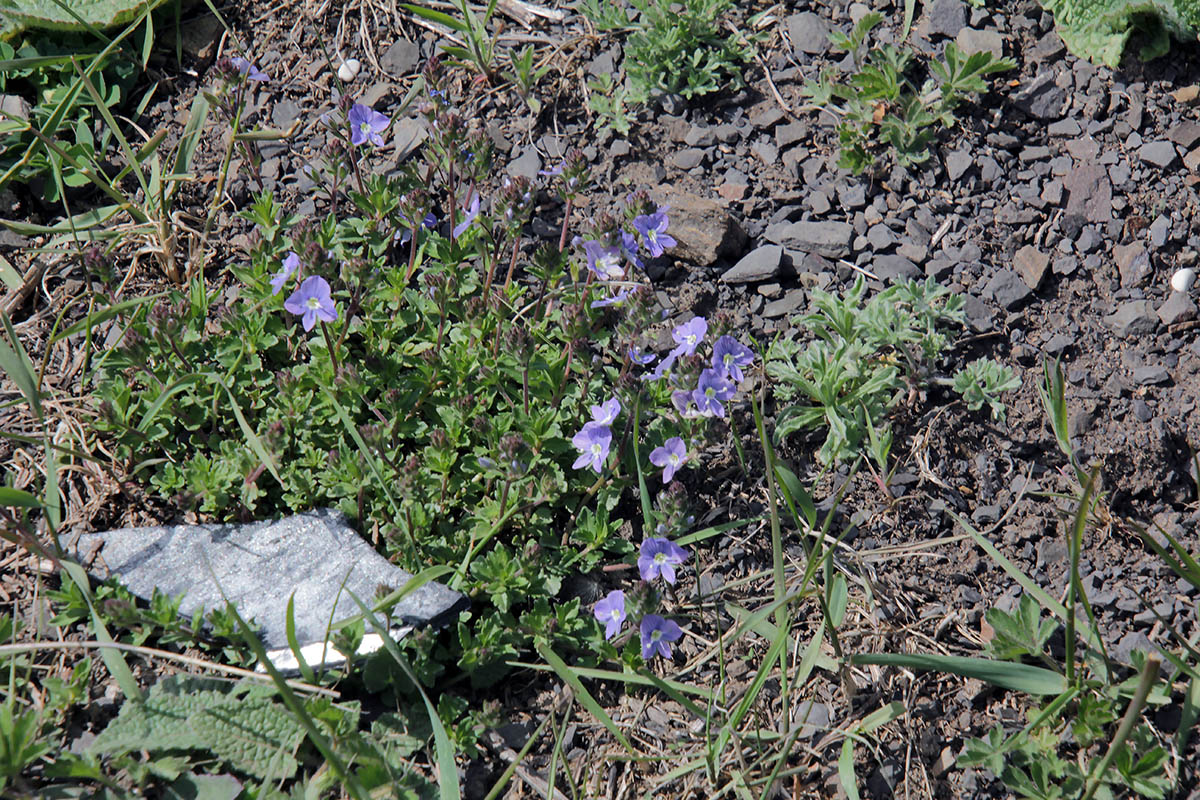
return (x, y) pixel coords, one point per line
(1183, 279)
(349, 69)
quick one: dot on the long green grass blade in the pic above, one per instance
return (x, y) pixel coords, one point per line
(1039, 594)
(632, 678)
(15, 362)
(448, 788)
(1005, 674)
(104, 315)
(845, 767)
(583, 695)
(113, 659)
(349, 781)
(306, 671)
(251, 437)
(15, 497)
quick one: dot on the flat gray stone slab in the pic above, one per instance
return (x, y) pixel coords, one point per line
(259, 566)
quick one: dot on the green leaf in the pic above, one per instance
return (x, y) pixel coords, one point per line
(1006, 675)
(1022, 633)
(74, 15)
(256, 736)
(191, 786)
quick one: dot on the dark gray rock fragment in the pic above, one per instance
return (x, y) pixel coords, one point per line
(1151, 375)
(1090, 193)
(947, 17)
(1132, 318)
(830, 239)
(893, 268)
(809, 33)
(1179, 307)
(760, 264)
(1031, 265)
(315, 556)
(1133, 263)
(1042, 99)
(1160, 154)
(957, 163)
(401, 58)
(1007, 289)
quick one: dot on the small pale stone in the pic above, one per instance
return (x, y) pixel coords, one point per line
(349, 69)
(1183, 279)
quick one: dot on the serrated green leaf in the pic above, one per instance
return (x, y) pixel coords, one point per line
(161, 722)
(257, 736)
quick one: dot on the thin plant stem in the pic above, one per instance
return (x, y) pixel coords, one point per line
(331, 347)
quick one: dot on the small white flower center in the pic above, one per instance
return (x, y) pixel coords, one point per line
(673, 460)
(660, 558)
(596, 449)
(313, 303)
(365, 127)
(655, 636)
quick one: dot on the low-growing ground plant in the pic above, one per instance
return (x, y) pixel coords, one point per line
(1099, 29)
(866, 358)
(685, 50)
(382, 359)
(884, 108)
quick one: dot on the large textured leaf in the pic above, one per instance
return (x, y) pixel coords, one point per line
(1098, 29)
(21, 14)
(161, 722)
(257, 736)
(243, 726)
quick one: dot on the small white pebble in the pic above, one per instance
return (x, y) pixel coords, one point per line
(348, 71)
(1183, 279)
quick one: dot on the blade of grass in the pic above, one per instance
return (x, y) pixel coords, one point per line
(569, 677)
(114, 660)
(349, 781)
(1005, 674)
(634, 678)
(306, 671)
(1039, 594)
(448, 788)
(251, 437)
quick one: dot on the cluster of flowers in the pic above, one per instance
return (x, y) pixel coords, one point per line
(312, 300)
(607, 257)
(658, 557)
(716, 384)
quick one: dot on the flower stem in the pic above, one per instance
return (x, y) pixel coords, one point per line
(330, 346)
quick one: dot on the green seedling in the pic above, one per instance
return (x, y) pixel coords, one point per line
(880, 106)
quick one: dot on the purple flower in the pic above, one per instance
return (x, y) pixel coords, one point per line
(290, 264)
(592, 443)
(604, 261)
(606, 413)
(682, 400)
(638, 357)
(690, 334)
(366, 124)
(249, 70)
(611, 611)
(616, 299)
(312, 300)
(657, 635)
(660, 556)
(729, 356)
(670, 457)
(653, 228)
(712, 390)
(554, 170)
(472, 209)
(629, 249)
(665, 365)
